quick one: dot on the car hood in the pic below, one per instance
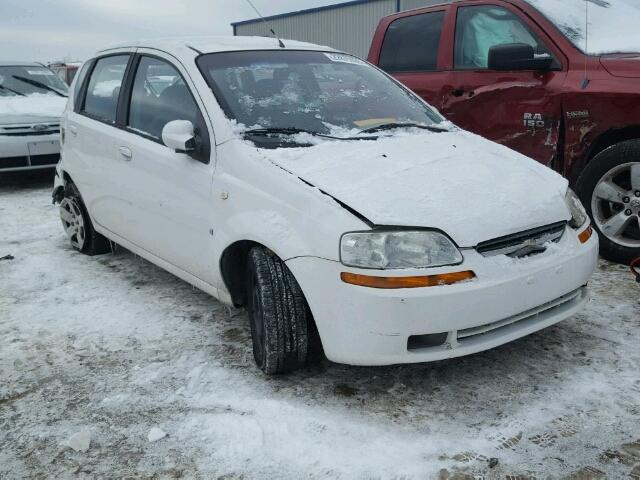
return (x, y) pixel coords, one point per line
(31, 109)
(622, 65)
(470, 188)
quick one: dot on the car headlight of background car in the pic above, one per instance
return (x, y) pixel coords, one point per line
(578, 214)
(398, 249)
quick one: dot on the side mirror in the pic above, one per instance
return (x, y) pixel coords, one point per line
(517, 56)
(178, 135)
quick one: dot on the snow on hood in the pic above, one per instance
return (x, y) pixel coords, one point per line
(613, 24)
(469, 187)
(20, 109)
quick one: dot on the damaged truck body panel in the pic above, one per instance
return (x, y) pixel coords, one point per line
(521, 73)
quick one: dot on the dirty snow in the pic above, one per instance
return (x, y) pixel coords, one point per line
(114, 346)
(612, 27)
(37, 104)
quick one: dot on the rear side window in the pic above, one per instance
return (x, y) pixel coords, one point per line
(104, 87)
(77, 88)
(411, 44)
(159, 96)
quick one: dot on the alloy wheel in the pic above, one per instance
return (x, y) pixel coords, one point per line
(615, 205)
(73, 222)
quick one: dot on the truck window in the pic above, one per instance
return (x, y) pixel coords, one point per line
(411, 44)
(485, 26)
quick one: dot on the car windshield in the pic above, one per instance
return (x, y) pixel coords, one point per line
(323, 93)
(613, 24)
(31, 80)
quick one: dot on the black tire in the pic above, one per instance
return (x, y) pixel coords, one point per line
(281, 326)
(598, 167)
(94, 243)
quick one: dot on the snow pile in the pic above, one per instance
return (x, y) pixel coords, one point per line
(80, 442)
(613, 24)
(37, 104)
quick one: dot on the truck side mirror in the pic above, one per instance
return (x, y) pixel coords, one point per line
(517, 56)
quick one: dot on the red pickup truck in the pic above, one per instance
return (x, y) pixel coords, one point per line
(558, 81)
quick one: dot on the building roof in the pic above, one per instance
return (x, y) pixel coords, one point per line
(215, 44)
(302, 12)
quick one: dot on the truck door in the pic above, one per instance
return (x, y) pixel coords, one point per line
(410, 51)
(520, 109)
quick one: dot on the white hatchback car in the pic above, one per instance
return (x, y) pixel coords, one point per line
(310, 187)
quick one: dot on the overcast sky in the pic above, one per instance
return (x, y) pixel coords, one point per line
(48, 30)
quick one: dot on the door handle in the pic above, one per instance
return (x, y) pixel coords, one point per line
(73, 129)
(125, 153)
(458, 92)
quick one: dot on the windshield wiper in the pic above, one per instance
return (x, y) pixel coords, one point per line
(393, 125)
(292, 131)
(2, 87)
(38, 84)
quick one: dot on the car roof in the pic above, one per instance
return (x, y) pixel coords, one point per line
(213, 44)
(8, 63)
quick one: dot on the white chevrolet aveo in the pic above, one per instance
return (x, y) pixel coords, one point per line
(308, 186)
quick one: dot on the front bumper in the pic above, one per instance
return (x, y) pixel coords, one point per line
(27, 152)
(509, 299)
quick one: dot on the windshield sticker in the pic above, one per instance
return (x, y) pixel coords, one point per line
(40, 72)
(373, 122)
(342, 58)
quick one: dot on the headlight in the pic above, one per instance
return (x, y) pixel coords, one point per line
(398, 249)
(578, 214)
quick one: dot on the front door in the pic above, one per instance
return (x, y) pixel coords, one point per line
(168, 192)
(519, 109)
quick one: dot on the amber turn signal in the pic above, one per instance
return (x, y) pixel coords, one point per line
(406, 282)
(585, 235)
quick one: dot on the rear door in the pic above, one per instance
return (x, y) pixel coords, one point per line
(89, 142)
(520, 109)
(410, 51)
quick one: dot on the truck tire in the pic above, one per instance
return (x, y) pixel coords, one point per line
(278, 314)
(77, 224)
(609, 188)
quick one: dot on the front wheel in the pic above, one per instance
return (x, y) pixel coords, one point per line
(609, 188)
(278, 313)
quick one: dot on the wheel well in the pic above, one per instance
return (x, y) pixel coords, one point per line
(612, 137)
(233, 266)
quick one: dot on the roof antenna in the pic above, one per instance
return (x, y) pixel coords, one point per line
(585, 80)
(265, 22)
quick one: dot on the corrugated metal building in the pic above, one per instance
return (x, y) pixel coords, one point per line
(346, 26)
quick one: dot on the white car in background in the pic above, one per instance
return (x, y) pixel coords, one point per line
(310, 187)
(32, 99)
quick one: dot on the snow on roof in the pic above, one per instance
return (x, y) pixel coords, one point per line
(212, 44)
(613, 24)
(9, 63)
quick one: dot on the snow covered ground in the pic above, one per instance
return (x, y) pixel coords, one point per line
(160, 379)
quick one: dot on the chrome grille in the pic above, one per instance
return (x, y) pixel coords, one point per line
(523, 244)
(29, 129)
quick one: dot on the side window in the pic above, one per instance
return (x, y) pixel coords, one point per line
(159, 96)
(77, 87)
(411, 44)
(104, 87)
(485, 26)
